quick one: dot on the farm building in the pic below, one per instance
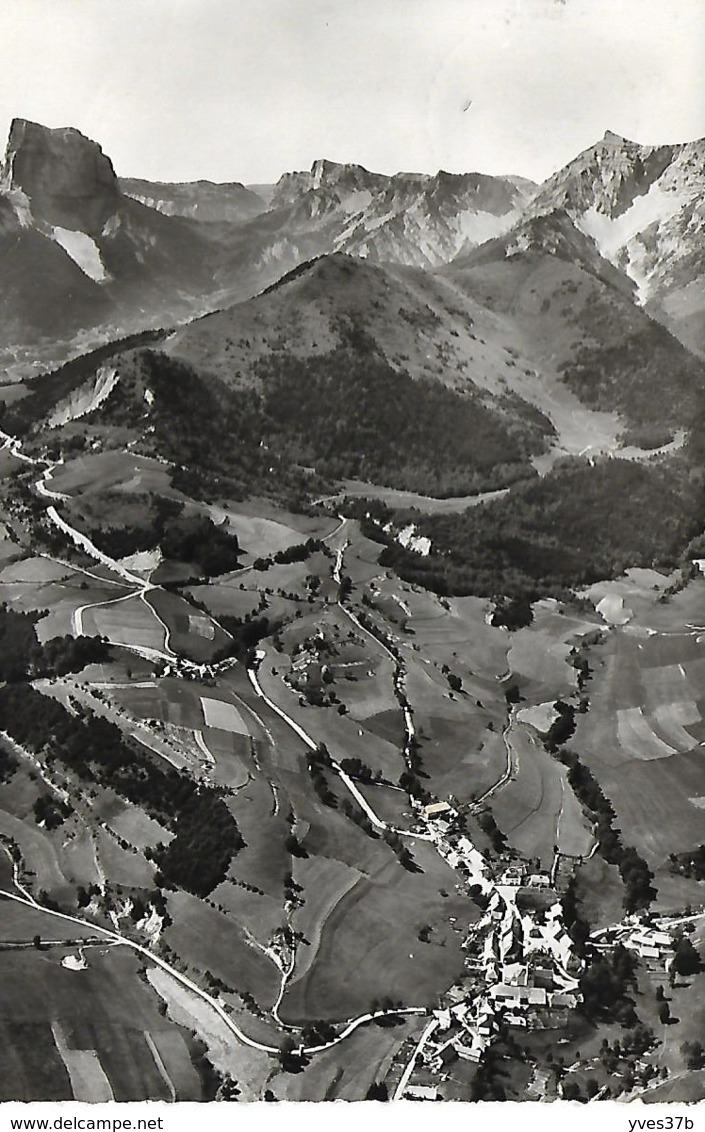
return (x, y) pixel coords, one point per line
(422, 1092)
(435, 809)
(538, 880)
(513, 876)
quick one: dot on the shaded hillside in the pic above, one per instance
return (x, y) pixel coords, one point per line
(345, 413)
(349, 414)
(570, 317)
(410, 321)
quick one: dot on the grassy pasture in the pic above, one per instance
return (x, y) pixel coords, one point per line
(35, 571)
(430, 694)
(390, 804)
(262, 914)
(389, 725)
(325, 882)
(346, 1073)
(264, 861)
(638, 589)
(339, 733)
(123, 866)
(191, 633)
(19, 923)
(233, 758)
(59, 596)
(38, 853)
(123, 667)
(129, 622)
(462, 629)
(105, 1008)
(212, 941)
(248, 1067)
(403, 500)
(362, 556)
(78, 858)
(329, 834)
(679, 610)
(460, 756)
(536, 809)
(370, 692)
(227, 598)
(137, 828)
(111, 470)
(542, 662)
(259, 537)
(369, 946)
(287, 577)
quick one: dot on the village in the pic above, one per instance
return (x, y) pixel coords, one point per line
(522, 969)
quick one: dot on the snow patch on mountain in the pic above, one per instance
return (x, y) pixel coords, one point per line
(477, 227)
(619, 238)
(83, 251)
(356, 201)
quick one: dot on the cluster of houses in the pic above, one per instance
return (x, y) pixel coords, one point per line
(521, 966)
(653, 943)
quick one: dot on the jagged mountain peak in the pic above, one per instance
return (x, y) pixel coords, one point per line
(65, 176)
(331, 183)
(607, 176)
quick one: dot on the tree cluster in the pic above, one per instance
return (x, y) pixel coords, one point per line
(690, 863)
(350, 414)
(605, 985)
(22, 655)
(206, 834)
(577, 525)
(635, 873)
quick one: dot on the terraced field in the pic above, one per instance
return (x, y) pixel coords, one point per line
(104, 1045)
(642, 736)
(537, 809)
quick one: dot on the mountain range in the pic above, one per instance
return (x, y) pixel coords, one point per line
(90, 256)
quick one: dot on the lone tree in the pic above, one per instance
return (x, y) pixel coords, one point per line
(377, 1091)
(686, 960)
(694, 1055)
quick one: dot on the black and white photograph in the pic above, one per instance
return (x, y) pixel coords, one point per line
(352, 561)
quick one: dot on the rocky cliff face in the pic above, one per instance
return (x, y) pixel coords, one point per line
(199, 200)
(643, 208)
(410, 218)
(66, 178)
(79, 256)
